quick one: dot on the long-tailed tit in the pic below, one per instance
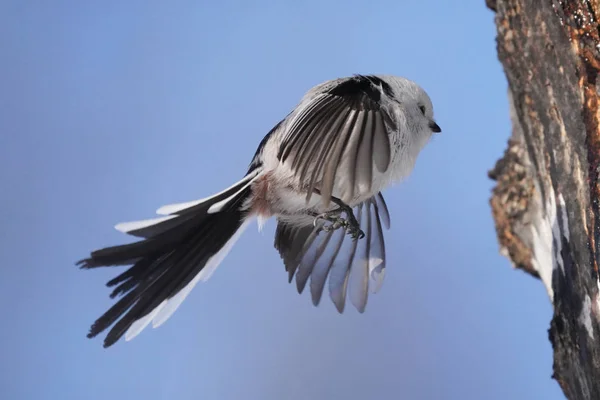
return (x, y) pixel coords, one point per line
(320, 172)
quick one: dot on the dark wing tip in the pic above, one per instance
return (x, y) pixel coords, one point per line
(387, 89)
(359, 86)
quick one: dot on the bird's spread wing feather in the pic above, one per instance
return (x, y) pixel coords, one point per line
(345, 125)
(354, 267)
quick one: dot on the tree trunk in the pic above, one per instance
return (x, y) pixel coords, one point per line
(546, 203)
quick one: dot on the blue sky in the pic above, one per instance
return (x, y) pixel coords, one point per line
(110, 110)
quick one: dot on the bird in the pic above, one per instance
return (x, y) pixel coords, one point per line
(320, 172)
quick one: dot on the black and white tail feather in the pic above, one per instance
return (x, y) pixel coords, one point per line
(346, 141)
(188, 244)
(176, 252)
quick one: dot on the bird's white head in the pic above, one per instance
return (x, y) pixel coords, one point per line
(416, 103)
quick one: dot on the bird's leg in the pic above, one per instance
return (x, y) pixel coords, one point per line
(334, 217)
(350, 224)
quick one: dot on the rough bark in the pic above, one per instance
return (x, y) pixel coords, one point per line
(546, 202)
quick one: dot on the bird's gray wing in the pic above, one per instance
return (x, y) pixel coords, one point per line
(354, 267)
(345, 122)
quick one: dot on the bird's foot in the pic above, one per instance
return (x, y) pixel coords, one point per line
(336, 221)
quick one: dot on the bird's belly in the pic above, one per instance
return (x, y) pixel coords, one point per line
(280, 194)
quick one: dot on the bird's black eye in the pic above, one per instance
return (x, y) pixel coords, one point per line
(422, 108)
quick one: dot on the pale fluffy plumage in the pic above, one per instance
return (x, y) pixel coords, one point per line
(413, 130)
(346, 141)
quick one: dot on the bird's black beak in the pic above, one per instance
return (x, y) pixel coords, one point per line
(435, 127)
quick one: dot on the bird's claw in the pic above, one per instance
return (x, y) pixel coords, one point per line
(356, 233)
(350, 224)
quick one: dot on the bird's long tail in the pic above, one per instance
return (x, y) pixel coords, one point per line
(176, 251)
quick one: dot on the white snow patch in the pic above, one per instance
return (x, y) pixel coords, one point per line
(565, 216)
(585, 318)
(597, 305)
(543, 259)
(557, 239)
